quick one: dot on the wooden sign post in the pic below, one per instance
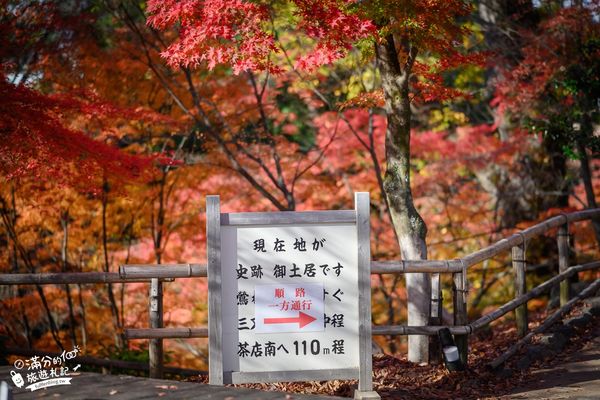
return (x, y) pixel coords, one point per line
(290, 296)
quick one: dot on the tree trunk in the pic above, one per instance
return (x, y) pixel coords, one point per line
(11, 231)
(586, 176)
(83, 317)
(64, 222)
(20, 292)
(408, 224)
(119, 335)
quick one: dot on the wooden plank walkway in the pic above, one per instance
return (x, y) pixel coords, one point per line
(94, 386)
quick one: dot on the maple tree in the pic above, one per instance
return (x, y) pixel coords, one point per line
(552, 88)
(212, 32)
(47, 145)
(36, 140)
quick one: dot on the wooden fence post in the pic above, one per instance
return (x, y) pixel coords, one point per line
(155, 348)
(460, 312)
(435, 319)
(215, 311)
(518, 264)
(563, 261)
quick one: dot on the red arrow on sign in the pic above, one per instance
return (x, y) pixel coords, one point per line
(302, 319)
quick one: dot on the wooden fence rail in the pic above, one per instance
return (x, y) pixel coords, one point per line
(515, 243)
(538, 290)
(60, 278)
(166, 333)
(144, 272)
(141, 271)
(377, 330)
(589, 291)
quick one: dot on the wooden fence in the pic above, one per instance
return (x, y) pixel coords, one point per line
(516, 244)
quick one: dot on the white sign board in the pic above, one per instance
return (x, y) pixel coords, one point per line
(289, 296)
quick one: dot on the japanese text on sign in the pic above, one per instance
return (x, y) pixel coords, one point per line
(290, 298)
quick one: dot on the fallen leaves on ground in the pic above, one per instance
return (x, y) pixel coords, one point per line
(394, 377)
